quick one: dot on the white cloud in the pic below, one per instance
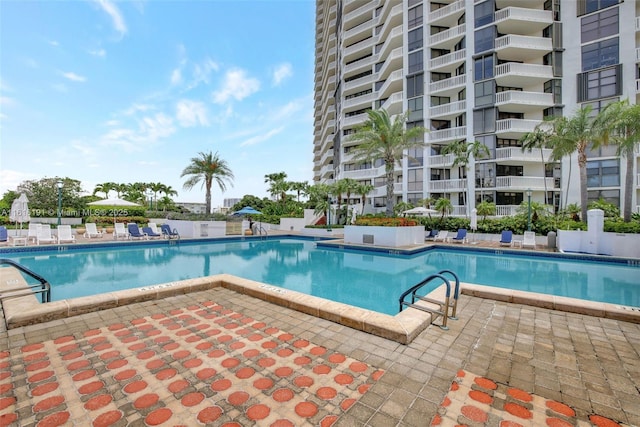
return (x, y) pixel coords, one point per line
(262, 137)
(176, 76)
(6, 101)
(236, 85)
(73, 77)
(53, 43)
(282, 72)
(191, 113)
(150, 130)
(113, 11)
(288, 110)
(10, 179)
(98, 52)
(201, 72)
(112, 123)
(138, 107)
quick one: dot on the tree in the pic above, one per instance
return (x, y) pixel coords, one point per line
(43, 194)
(538, 139)
(462, 152)
(485, 209)
(104, 188)
(362, 190)
(444, 206)
(299, 188)
(620, 124)
(381, 138)
(205, 169)
(156, 187)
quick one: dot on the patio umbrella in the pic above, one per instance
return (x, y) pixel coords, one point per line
(248, 210)
(474, 223)
(420, 210)
(113, 202)
(20, 210)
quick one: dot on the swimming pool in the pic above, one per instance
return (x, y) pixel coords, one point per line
(366, 279)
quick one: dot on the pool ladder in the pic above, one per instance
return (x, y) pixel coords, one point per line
(443, 306)
(43, 288)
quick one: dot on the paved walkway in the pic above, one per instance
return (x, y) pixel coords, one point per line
(219, 358)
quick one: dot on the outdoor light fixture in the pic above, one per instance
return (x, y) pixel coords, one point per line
(59, 185)
(529, 209)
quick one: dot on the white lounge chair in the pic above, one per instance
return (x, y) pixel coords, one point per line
(32, 234)
(65, 235)
(92, 231)
(529, 239)
(442, 236)
(44, 234)
(120, 231)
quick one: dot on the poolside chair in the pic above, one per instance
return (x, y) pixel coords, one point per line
(150, 233)
(3, 234)
(461, 236)
(44, 234)
(441, 236)
(529, 239)
(431, 235)
(135, 233)
(154, 228)
(92, 231)
(506, 238)
(65, 235)
(120, 231)
(32, 234)
(168, 233)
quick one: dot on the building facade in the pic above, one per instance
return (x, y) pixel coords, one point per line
(485, 70)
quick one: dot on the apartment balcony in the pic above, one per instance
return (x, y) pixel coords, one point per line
(392, 62)
(393, 84)
(364, 173)
(522, 183)
(515, 74)
(448, 111)
(448, 62)
(528, 4)
(441, 161)
(522, 48)
(360, 31)
(358, 66)
(523, 102)
(354, 120)
(327, 157)
(393, 104)
(358, 102)
(519, 20)
(448, 87)
(447, 16)
(448, 37)
(514, 128)
(392, 20)
(357, 50)
(327, 170)
(360, 84)
(448, 185)
(515, 156)
(506, 210)
(364, 10)
(393, 41)
(447, 134)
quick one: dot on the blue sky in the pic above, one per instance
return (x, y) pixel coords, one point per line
(130, 91)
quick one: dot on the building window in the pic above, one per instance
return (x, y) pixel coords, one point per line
(483, 13)
(415, 85)
(603, 173)
(440, 174)
(554, 87)
(603, 83)
(485, 175)
(552, 112)
(414, 17)
(509, 199)
(420, 138)
(414, 198)
(555, 60)
(602, 151)
(609, 196)
(414, 179)
(589, 6)
(483, 68)
(415, 62)
(484, 120)
(600, 25)
(415, 107)
(414, 39)
(600, 54)
(484, 39)
(509, 170)
(485, 93)
(378, 66)
(488, 141)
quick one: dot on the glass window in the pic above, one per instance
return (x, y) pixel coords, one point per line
(488, 141)
(610, 196)
(440, 174)
(484, 39)
(593, 5)
(484, 93)
(483, 68)
(483, 13)
(415, 107)
(604, 83)
(414, 179)
(509, 170)
(600, 54)
(415, 85)
(414, 17)
(414, 39)
(600, 25)
(603, 173)
(415, 61)
(484, 121)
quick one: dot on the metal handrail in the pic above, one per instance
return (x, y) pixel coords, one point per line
(44, 288)
(456, 293)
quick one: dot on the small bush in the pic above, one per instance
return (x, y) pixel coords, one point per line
(385, 222)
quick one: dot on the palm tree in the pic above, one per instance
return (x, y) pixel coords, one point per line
(621, 126)
(362, 190)
(156, 187)
(573, 135)
(538, 139)
(205, 169)
(104, 188)
(485, 209)
(299, 188)
(462, 152)
(444, 206)
(380, 138)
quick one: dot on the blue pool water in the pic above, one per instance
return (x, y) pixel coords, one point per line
(365, 279)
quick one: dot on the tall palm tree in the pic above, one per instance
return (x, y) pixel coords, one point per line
(362, 190)
(620, 124)
(573, 135)
(462, 152)
(444, 206)
(538, 139)
(381, 138)
(156, 187)
(104, 188)
(300, 188)
(205, 169)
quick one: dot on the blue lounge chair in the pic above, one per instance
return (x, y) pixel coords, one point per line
(432, 235)
(506, 238)
(461, 237)
(168, 233)
(150, 233)
(3, 233)
(134, 232)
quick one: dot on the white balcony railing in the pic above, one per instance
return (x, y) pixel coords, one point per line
(366, 7)
(446, 84)
(448, 59)
(443, 12)
(358, 100)
(516, 125)
(506, 210)
(447, 134)
(354, 120)
(448, 185)
(366, 43)
(364, 173)
(527, 70)
(448, 109)
(394, 77)
(395, 55)
(521, 97)
(446, 35)
(523, 42)
(516, 154)
(535, 183)
(365, 26)
(394, 99)
(523, 14)
(443, 161)
(362, 81)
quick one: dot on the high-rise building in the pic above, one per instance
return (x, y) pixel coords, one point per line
(485, 70)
